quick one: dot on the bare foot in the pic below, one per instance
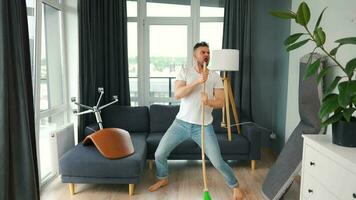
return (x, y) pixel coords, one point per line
(158, 184)
(238, 194)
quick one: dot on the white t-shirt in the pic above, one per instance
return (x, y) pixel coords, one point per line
(190, 106)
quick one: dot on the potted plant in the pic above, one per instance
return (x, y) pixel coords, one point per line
(337, 107)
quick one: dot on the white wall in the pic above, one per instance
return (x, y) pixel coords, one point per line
(339, 21)
(71, 50)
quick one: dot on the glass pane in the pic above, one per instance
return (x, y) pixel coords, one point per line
(131, 6)
(134, 103)
(212, 8)
(168, 54)
(212, 33)
(51, 66)
(166, 9)
(30, 6)
(160, 87)
(133, 87)
(132, 54)
(44, 104)
(47, 127)
(132, 48)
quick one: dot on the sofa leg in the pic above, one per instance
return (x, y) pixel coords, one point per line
(253, 165)
(71, 188)
(131, 189)
(150, 164)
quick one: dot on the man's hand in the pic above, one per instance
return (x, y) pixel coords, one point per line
(204, 98)
(203, 77)
(217, 102)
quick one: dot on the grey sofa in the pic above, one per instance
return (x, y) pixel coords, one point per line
(146, 127)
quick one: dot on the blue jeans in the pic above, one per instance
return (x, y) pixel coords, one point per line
(180, 131)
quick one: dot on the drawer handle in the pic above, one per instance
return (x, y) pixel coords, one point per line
(354, 195)
(310, 191)
(312, 163)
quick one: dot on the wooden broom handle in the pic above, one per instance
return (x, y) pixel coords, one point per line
(203, 139)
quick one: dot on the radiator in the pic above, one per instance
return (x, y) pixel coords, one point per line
(62, 140)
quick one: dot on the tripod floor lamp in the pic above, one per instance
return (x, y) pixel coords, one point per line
(227, 60)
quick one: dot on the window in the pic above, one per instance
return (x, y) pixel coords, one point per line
(212, 32)
(51, 67)
(30, 4)
(168, 54)
(131, 8)
(51, 106)
(168, 9)
(160, 42)
(212, 8)
(47, 126)
(132, 53)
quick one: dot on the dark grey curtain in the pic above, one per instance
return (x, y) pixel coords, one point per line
(237, 35)
(103, 60)
(18, 162)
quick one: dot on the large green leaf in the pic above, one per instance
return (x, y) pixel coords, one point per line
(336, 117)
(284, 14)
(348, 40)
(333, 85)
(312, 69)
(297, 45)
(348, 113)
(347, 90)
(292, 38)
(303, 14)
(319, 19)
(322, 73)
(329, 105)
(350, 67)
(319, 36)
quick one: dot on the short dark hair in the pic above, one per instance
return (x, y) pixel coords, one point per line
(200, 44)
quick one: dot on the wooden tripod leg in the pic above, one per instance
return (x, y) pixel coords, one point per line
(233, 105)
(227, 107)
(223, 123)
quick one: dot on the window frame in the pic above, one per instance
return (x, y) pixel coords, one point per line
(143, 23)
(54, 110)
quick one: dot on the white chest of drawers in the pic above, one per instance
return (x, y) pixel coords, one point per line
(328, 170)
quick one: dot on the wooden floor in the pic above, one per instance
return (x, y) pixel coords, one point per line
(185, 184)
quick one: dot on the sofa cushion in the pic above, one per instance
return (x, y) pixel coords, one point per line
(86, 161)
(132, 119)
(161, 117)
(238, 145)
(186, 147)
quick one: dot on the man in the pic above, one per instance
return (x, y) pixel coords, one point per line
(188, 88)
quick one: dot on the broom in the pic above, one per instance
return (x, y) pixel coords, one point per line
(206, 195)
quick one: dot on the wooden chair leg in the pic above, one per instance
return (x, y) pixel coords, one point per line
(253, 164)
(131, 189)
(150, 164)
(71, 188)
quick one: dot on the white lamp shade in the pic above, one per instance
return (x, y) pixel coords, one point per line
(224, 60)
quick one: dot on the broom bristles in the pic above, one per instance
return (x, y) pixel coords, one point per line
(206, 195)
